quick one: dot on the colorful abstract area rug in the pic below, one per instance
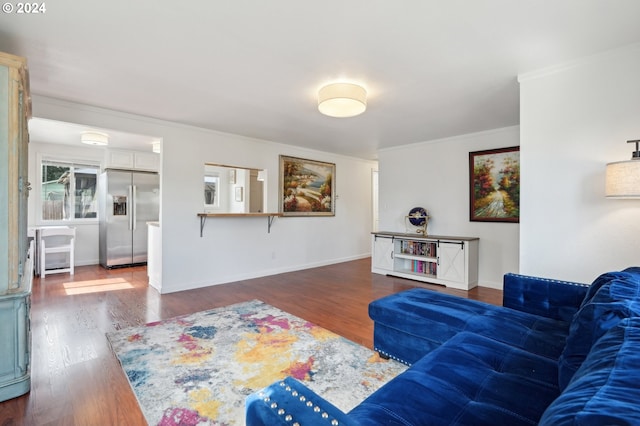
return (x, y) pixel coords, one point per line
(198, 369)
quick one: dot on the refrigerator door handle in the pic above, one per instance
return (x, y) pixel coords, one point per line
(129, 207)
(135, 206)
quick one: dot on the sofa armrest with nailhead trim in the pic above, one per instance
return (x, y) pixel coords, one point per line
(289, 402)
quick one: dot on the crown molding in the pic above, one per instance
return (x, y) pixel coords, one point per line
(607, 55)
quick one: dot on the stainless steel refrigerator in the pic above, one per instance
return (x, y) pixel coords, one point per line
(129, 200)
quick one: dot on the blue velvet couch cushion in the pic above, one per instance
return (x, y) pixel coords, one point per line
(614, 300)
(412, 323)
(606, 278)
(469, 380)
(606, 388)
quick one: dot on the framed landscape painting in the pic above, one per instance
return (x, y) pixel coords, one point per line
(494, 185)
(306, 187)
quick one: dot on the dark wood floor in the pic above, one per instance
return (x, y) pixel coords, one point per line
(76, 379)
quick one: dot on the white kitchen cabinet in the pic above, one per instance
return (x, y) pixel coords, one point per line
(132, 160)
(154, 255)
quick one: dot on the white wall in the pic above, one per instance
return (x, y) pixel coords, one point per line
(435, 175)
(235, 248)
(574, 120)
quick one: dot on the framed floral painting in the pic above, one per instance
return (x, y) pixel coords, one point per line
(307, 187)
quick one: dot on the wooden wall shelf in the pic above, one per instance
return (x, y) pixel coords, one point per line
(270, 217)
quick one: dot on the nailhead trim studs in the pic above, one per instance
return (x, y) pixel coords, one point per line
(392, 357)
(302, 399)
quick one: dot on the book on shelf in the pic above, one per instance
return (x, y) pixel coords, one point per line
(418, 248)
(423, 267)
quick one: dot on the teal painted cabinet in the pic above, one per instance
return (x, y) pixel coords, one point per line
(15, 350)
(16, 268)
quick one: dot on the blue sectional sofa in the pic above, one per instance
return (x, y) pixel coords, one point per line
(555, 353)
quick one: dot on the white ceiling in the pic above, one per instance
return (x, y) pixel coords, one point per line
(432, 68)
(50, 131)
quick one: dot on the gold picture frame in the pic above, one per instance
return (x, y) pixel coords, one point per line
(307, 187)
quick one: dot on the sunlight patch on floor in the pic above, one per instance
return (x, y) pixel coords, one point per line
(96, 286)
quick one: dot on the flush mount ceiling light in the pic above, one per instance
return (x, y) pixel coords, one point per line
(342, 100)
(623, 177)
(95, 138)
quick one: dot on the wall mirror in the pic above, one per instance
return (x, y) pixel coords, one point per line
(231, 189)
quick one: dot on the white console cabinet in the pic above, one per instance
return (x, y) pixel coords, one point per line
(382, 254)
(449, 261)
